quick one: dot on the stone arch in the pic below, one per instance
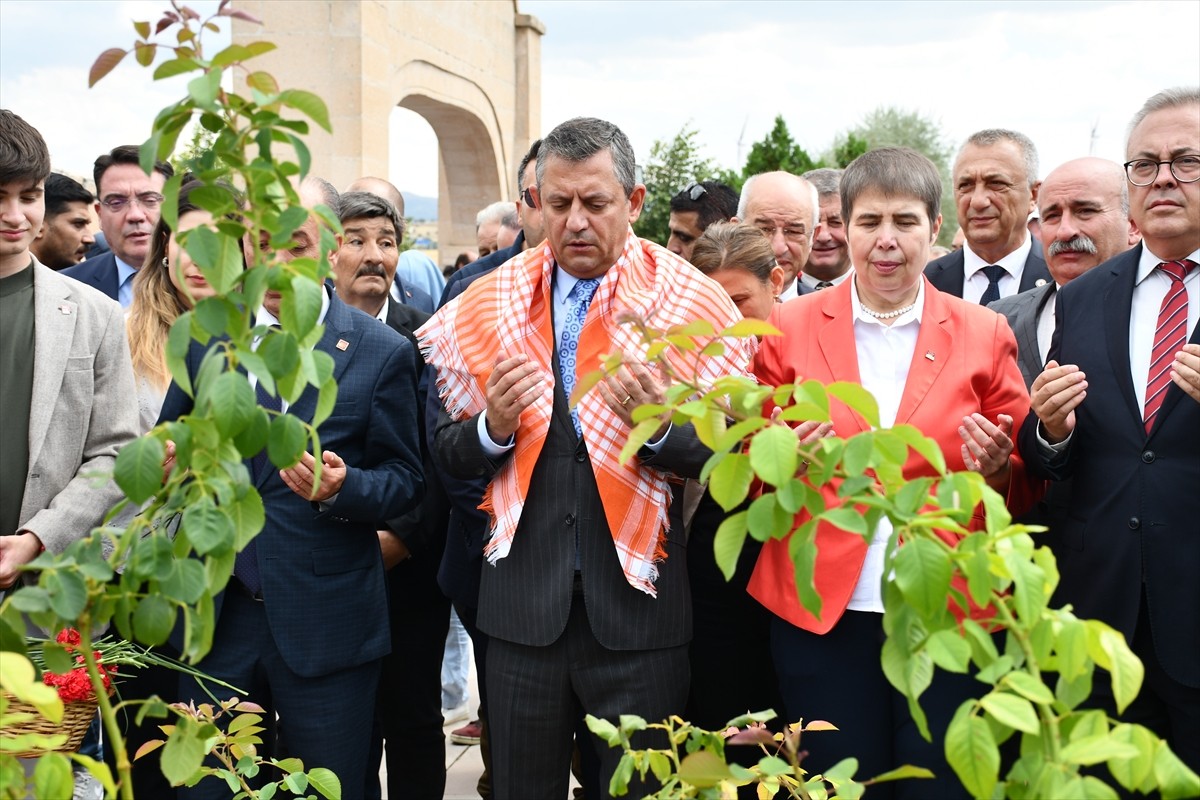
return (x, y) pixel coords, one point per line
(471, 69)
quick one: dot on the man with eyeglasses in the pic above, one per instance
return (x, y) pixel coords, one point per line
(1117, 411)
(995, 189)
(697, 206)
(785, 208)
(128, 206)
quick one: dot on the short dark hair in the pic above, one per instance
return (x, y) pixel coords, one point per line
(894, 172)
(712, 201)
(364, 205)
(581, 138)
(61, 191)
(525, 159)
(126, 154)
(23, 152)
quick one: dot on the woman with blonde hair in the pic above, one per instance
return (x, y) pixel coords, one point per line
(167, 285)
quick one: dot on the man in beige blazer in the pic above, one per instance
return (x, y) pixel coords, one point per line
(66, 382)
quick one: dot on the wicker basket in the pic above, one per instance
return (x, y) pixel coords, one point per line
(76, 719)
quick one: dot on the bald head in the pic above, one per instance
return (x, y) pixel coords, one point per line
(1084, 207)
(380, 188)
(785, 208)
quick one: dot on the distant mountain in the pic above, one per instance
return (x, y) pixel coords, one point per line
(418, 206)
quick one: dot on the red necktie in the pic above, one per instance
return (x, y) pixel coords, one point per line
(1169, 337)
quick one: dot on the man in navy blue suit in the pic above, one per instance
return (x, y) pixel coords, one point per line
(303, 624)
(128, 206)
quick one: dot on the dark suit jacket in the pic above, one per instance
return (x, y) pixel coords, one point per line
(323, 579)
(1135, 519)
(478, 267)
(526, 596)
(99, 272)
(414, 296)
(1022, 311)
(946, 273)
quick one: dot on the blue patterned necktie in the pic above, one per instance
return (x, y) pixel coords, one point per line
(578, 301)
(992, 293)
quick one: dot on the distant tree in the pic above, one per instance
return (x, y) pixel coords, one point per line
(190, 157)
(778, 151)
(888, 126)
(672, 165)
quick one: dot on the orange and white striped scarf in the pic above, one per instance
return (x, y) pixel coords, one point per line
(509, 312)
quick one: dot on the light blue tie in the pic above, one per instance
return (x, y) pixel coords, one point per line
(578, 301)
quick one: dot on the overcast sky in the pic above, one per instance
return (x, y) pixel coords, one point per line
(1056, 71)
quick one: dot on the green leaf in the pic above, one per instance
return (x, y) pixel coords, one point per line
(604, 729)
(923, 573)
(812, 394)
(929, 449)
(176, 66)
(186, 582)
(184, 751)
(308, 104)
(296, 782)
(703, 769)
(153, 620)
(139, 468)
(767, 519)
(233, 403)
(144, 53)
(1175, 780)
(848, 519)
(253, 438)
(299, 308)
(858, 399)
(104, 64)
(204, 89)
(1029, 687)
(207, 527)
(1011, 710)
(143, 29)
(857, 455)
(248, 517)
(972, 753)
(52, 776)
(996, 510)
(803, 550)
(326, 398)
(219, 257)
(263, 82)
(728, 543)
(949, 650)
(1094, 749)
(1132, 772)
(68, 593)
(745, 328)
(902, 773)
(1126, 669)
(285, 441)
(179, 341)
(325, 782)
(729, 482)
(773, 454)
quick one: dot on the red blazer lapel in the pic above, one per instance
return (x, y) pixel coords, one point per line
(835, 339)
(934, 345)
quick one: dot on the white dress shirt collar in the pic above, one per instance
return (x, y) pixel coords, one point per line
(812, 282)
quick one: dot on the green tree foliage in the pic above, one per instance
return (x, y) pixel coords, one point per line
(673, 165)
(189, 157)
(888, 126)
(778, 151)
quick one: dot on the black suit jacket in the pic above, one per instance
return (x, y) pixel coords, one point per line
(1022, 311)
(526, 596)
(947, 274)
(323, 578)
(99, 272)
(1135, 517)
(480, 266)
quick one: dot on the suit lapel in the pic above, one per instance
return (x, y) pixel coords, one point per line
(934, 344)
(54, 318)
(339, 341)
(1118, 299)
(835, 338)
(1035, 269)
(1027, 339)
(1174, 393)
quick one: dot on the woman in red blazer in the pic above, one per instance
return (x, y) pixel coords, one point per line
(934, 361)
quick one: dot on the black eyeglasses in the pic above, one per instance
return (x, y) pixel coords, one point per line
(527, 196)
(1143, 171)
(116, 203)
(694, 191)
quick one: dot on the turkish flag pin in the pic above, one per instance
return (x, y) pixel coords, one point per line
(929, 354)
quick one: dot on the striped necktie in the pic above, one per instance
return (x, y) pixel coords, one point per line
(1170, 335)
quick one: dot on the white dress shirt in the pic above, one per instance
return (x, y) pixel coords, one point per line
(885, 353)
(975, 282)
(1045, 325)
(812, 282)
(1149, 289)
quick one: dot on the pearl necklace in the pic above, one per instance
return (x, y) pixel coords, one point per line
(888, 314)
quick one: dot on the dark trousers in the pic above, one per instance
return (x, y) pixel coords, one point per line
(141, 684)
(326, 719)
(537, 695)
(838, 678)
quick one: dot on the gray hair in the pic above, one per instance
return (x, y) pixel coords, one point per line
(744, 199)
(525, 159)
(499, 211)
(581, 138)
(365, 205)
(1168, 98)
(893, 172)
(826, 180)
(991, 136)
(323, 189)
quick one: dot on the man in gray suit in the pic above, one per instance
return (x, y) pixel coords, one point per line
(585, 602)
(995, 189)
(66, 382)
(1084, 207)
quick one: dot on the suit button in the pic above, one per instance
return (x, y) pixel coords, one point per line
(1134, 523)
(1148, 457)
(580, 456)
(570, 520)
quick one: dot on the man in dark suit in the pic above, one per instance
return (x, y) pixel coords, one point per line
(409, 707)
(568, 521)
(303, 624)
(128, 205)
(995, 188)
(1084, 208)
(1117, 409)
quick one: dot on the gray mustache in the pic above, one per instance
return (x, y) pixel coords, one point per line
(1076, 244)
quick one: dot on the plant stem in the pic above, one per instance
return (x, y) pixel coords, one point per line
(108, 714)
(1052, 736)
